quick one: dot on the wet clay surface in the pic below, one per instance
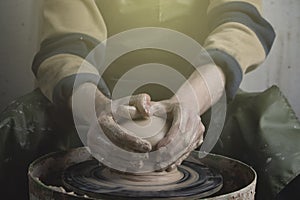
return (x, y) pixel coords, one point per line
(189, 180)
(152, 129)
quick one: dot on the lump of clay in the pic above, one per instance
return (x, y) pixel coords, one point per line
(152, 129)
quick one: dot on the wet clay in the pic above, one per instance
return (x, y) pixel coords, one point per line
(51, 170)
(152, 129)
(146, 179)
(190, 179)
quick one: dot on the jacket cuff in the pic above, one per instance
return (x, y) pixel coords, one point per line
(76, 44)
(64, 89)
(246, 14)
(231, 69)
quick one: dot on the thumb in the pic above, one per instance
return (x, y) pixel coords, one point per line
(142, 102)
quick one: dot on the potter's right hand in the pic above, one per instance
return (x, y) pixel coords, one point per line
(108, 112)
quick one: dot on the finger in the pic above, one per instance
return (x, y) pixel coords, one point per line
(181, 159)
(185, 156)
(193, 139)
(187, 153)
(178, 162)
(142, 102)
(156, 108)
(190, 140)
(200, 129)
(171, 168)
(172, 133)
(198, 137)
(119, 137)
(186, 122)
(127, 112)
(175, 129)
(160, 109)
(197, 134)
(201, 133)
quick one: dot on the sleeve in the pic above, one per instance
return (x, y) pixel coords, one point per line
(70, 30)
(240, 38)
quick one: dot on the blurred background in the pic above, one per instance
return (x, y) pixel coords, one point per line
(19, 22)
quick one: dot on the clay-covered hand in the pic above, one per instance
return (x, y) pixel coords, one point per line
(185, 133)
(203, 88)
(108, 113)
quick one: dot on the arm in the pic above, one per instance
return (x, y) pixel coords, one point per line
(239, 41)
(202, 90)
(240, 38)
(71, 29)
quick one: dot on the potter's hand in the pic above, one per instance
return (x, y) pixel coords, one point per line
(203, 88)
(108, 112)
(185, 133)
(111, 111)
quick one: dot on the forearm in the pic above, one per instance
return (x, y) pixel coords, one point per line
(67, 38)
(239, 40)
(203, 89)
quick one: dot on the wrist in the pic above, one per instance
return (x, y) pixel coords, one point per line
(203, 89)
(212, 86)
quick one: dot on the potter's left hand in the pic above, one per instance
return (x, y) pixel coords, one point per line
(203, 88)
(185, 133)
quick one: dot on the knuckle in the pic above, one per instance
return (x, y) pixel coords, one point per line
(202, 127)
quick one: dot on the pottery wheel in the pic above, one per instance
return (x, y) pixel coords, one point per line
(190, 180)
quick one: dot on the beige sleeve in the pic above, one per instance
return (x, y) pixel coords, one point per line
(240, 38)
(67, 17)
(70, 30)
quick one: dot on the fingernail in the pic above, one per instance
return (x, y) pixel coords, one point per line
(158, 146)
(146, 108)
(171, 168)
(147, 147)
